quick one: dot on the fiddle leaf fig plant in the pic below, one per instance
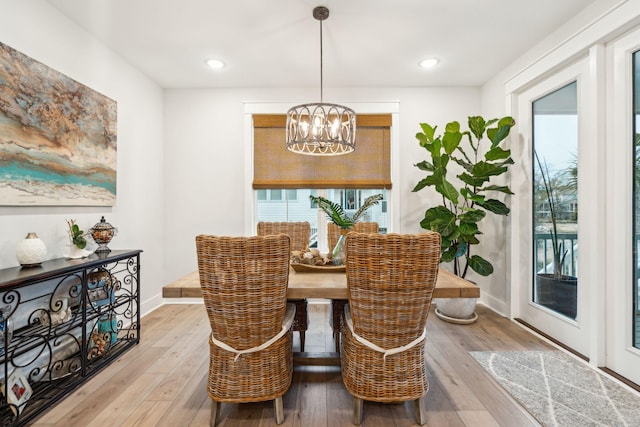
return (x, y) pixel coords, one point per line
(478, 157)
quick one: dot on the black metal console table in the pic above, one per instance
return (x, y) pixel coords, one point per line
(60, 323)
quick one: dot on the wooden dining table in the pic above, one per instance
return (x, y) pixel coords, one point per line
(327, 284)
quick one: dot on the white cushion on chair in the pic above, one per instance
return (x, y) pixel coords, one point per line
(289, 315)
(372, 346)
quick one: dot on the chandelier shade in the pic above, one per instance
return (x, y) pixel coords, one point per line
(321, 129)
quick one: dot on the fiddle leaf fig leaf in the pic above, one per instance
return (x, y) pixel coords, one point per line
(480, 265)
(497, 153)
(477, 126)
(468, 228)
(448, 191)
(484, 169)
(448, 255)
(500, 188)
(495, 206)
(425, 166)
(452, 127)
(439, 219)
(497, 134)
(451, 140)
(470, 195)
(473, 181)
(428, 130)
(422, 139)
(421, 184)
(472, 215)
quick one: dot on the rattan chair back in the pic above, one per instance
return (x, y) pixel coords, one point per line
(300, 232)
(390, 280)
(244, 286)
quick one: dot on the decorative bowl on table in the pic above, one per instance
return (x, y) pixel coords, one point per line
(308, 268)
(313, 261)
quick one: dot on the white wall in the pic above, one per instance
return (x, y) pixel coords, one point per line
(181, 153)
(41, 32)
(205, 157)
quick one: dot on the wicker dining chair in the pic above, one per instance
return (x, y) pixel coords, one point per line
(333, 231)
(390, 283)
(300, 232)
(337, 305)
(244, 286)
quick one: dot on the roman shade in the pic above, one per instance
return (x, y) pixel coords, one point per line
(276, 167)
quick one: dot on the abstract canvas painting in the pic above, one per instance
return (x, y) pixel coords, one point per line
(57, 137)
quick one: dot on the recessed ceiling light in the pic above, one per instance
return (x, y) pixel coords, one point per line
(429, 63)
(215, 64)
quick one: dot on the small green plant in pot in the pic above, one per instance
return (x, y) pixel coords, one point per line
(76, 235)
(77, 240)
(461, 167)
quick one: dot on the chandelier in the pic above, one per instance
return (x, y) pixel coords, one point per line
(321, 129)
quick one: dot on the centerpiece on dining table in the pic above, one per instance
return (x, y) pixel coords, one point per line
(337, 215)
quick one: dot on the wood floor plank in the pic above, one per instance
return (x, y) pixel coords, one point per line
(123, 405)
(162, 381)
(478, 419)
(148, 413)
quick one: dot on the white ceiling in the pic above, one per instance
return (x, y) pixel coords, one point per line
(276, 43)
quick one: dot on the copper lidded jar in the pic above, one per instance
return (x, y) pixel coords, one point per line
(102, 233)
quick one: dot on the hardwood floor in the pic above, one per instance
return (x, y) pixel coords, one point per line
(161, 382)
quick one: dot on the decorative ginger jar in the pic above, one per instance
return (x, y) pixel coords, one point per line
(102, 233)
(31, 251)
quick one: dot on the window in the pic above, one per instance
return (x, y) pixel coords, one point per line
(346, 180)
(555, 198)
(303, 209)
(275, 194)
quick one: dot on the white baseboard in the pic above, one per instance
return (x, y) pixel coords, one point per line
(494, 304)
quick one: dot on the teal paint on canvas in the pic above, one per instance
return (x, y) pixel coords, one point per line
(57, 137)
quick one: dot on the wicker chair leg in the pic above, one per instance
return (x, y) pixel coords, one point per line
(357, 411)
(215, 413)
(336, 337)
(302, 340)
(278, 409)
(420, 412)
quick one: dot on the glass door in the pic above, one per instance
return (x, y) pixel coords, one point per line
(552, 295)
(623, 202)
(555, 201)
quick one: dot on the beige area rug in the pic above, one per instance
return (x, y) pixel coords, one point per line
(559, 390)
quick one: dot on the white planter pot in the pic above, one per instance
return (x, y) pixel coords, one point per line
(456, 310)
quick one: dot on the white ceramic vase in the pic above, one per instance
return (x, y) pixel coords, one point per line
(31, 251)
